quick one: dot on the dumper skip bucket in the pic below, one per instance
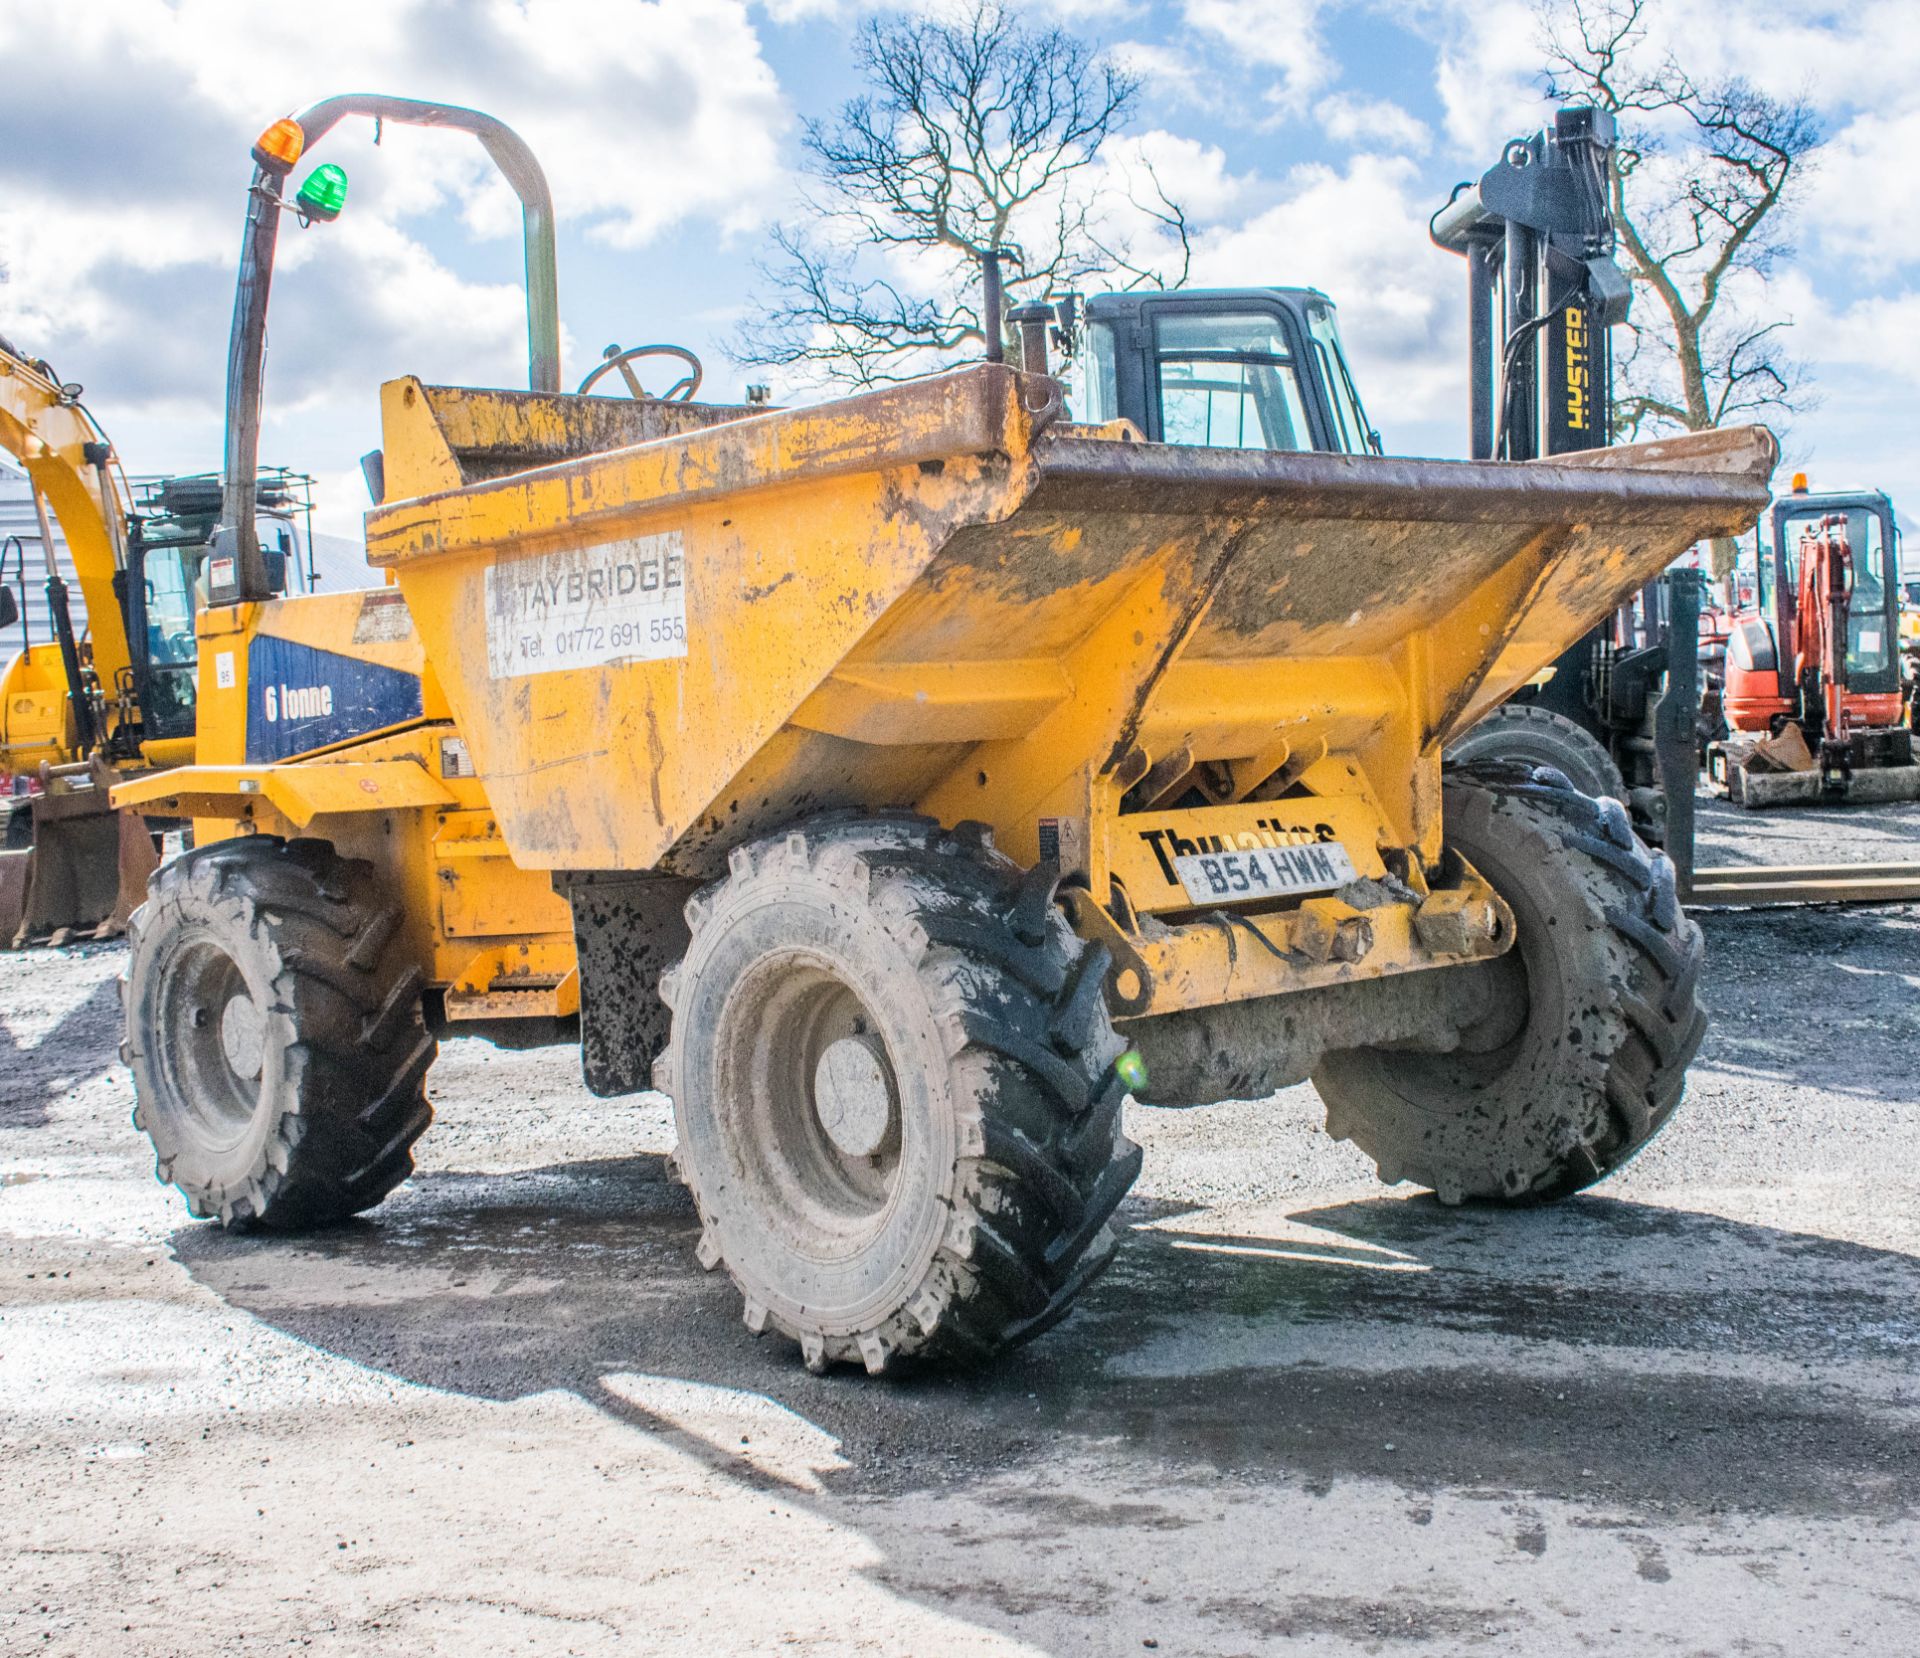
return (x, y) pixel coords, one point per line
(945, 596)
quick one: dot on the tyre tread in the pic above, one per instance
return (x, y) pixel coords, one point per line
(1655, 1006)
(352, 1096)
(1028, 1227)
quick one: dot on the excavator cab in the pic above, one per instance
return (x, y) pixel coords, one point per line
(103, 682)
(1873, 620)
(1815, 712)
(169, 542)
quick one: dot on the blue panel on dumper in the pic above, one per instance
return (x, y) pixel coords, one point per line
(299, 698)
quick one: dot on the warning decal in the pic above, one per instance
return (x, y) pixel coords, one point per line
(623, 601)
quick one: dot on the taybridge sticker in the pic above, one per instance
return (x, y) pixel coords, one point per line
(623, 601)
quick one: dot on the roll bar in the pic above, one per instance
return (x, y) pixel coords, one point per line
(237, 568)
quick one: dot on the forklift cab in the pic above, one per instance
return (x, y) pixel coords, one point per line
(1873, 618)
(1236, 368)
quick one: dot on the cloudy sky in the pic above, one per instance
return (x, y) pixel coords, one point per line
(1309, 140)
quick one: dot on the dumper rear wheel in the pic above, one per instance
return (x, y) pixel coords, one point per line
(893, 1079)
(274, 1033)
(1597, 1016)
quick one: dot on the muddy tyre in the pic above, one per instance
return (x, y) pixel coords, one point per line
(1533, 736)
(274, 1034)
(893, 1078)
(1597, 1018)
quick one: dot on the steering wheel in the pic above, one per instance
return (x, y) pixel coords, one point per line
(681, 390)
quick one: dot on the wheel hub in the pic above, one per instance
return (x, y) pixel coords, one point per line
(243, 1037)
(853, 1095)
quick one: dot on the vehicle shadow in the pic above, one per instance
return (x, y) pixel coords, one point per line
(81, 1045)
(1662, 1357)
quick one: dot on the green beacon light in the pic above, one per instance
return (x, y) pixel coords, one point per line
(324, 193)
(1132, 1069)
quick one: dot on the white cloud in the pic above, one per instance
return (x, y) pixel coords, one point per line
(1865, 360)
(1169, 71)
(1191, 173)
(617, 98)
(123, 159)
(1863, 200)
(804, 11)
(1371, 123)
(1084, 14)
(1487, 74)
(1282, 35)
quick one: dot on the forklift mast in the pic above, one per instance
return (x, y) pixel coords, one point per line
(1263, 368)
(1538, 239)
(1543, 292)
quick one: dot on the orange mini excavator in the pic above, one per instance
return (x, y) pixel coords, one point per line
(1817, 653)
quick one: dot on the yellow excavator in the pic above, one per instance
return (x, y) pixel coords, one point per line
(105, 688)
(69, 712)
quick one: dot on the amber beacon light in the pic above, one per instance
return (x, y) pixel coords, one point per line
(279, 147)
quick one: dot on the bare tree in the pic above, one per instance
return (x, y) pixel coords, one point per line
(980, 134)
(1703, 182)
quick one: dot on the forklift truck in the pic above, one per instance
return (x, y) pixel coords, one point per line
(1263, 368)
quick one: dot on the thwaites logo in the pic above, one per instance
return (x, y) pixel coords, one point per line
(297, 702)
(1169, 844)
(1579, 367)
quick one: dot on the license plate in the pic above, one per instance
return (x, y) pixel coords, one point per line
(1264, 872)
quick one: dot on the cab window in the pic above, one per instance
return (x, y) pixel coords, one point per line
(1100, 401)
(1228, 380)
(1869, 649)
(172, 650)
(1869, 646)
(1353, 433)
(170, 607)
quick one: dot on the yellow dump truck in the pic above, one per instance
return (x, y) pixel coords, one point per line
(900, 784)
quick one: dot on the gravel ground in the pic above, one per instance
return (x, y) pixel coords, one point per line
(1727, 834)
(507, 1412)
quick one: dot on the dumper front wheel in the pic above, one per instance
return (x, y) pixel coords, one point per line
(274, 1034)
(1595, 1019)
(893, 1079)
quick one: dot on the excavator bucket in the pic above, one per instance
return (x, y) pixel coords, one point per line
(73, 870)
(943, 595)
(15, 871)
(86, 870)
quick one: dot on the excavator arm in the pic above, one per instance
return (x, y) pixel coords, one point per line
(86, 865)
(77, 483)
(1826, 589)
